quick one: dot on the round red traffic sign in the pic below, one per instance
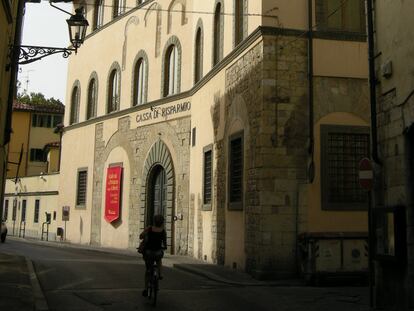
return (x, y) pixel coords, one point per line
(366, 174)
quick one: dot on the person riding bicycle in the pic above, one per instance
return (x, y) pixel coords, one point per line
(155, 242)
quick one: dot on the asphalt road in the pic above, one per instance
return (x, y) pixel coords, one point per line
(78, 279)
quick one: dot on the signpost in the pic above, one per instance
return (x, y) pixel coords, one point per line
(366, 181)
(65, 217)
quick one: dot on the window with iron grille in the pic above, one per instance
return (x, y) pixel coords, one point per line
(342, 149)
(236, 171)
(207, 177)
(36, 211)
(81, 189)
(14, 214)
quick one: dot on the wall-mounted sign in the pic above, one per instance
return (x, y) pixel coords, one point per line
(65, 213)
(155, 113)
(113, 193)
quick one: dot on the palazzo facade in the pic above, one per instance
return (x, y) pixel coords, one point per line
(240, 121)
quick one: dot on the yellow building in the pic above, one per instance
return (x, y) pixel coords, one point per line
(242, 122)
(33, 128)
(10, 26)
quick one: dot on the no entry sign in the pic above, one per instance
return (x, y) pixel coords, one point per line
(366, 175)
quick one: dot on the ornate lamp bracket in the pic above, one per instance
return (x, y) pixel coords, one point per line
(28, 54)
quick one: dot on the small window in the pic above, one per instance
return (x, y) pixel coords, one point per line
(98, 16)
(193, 137)
(81, 188)
(14, 210)
(338, 15)
(54, 215)
(34, 120)
(198, 62)
(171, 71)
(24, 203)
(342, 148)
(207, 177)
(236, 171)
(92, 99)
(217, 35)
(36, 211)
(6, 210)
(74, 106)
(113, 91)
(239, 19)
(37, 155)
(118, 8)
(57, 120)
(140, 82)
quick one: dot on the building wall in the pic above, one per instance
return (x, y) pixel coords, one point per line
(20, 136)
(395, 47)
(43, 188)
(7, 34)
(259, 88)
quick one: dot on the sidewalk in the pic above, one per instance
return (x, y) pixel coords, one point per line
(188, 264)
(15, 287)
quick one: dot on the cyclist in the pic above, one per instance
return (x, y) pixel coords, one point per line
(156, 242)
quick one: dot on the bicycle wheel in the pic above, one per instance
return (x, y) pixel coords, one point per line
(154, 290)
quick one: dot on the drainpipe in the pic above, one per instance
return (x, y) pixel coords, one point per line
(372, 83)
(311, 168)
(374, 195)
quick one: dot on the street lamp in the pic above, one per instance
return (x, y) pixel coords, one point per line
(77, 31)
(77, 28)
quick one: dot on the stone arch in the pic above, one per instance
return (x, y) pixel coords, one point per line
(184, 19)
(159, 154)
(140, 55)
(102, 151)
(93, 75)
(155, 7)
(132, 20)
(172, 41)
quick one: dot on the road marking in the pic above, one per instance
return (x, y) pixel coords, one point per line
(39, 297)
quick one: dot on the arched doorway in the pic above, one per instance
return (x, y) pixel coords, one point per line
(157, 200)
(157, 192)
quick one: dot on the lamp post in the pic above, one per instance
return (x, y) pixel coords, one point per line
(77, 25)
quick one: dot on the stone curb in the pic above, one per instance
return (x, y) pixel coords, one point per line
(38, 296)
(216, 278)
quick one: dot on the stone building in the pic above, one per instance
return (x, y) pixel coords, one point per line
(394, 213)
(241, 121)
(10, 26)
(33, 133)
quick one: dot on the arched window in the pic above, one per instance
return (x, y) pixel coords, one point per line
(92, 99)
(140, 83)
(118, 8)
(74, 105)
(198, 61)
(113, 91)
(171, 71)
(239, 19)
(98, 14)
(217, 39)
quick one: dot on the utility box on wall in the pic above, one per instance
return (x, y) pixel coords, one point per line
(330, 255)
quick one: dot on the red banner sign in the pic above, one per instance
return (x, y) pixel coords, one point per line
(113, 193)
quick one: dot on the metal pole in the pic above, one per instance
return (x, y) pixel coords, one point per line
(64, 233)
(371, 273)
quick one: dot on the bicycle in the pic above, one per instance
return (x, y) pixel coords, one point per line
(153, 283)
